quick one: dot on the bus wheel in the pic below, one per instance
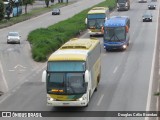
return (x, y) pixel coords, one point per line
(98, 78)
(95, 89)
(107, 50)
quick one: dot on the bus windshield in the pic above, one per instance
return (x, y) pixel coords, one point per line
(66, 83)
(114, 34)
(95, 16)
(66, 77)
(67, 66)
(95, 23)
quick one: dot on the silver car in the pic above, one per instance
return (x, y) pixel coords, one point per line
(13, 37)
(152, 5)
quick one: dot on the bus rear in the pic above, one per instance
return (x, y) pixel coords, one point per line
(116, 33)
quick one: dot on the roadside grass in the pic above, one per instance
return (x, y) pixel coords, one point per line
(34, 13)
(44, 41)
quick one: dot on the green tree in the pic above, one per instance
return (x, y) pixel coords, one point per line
(1, 10)
(47, 3)
(60, 1)
(26, 2)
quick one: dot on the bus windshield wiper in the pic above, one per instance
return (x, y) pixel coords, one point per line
(111, 37)
(117, 38)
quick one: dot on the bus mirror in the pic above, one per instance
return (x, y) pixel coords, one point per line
(44, 75)
(87, 76)
(127, 29)
(102, 29)
(86, 21)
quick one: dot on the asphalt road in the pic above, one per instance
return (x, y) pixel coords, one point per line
(125, 80)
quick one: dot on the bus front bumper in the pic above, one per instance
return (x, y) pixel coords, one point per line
(67, 103)
(115, 46)
(122, 8)
(94, 33)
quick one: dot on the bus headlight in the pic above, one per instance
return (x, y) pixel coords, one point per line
(82, 98)
(126, 4)
(51, 99)
(124, 46)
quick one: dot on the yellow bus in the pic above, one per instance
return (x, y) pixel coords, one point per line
(73, 72)
(95, 20)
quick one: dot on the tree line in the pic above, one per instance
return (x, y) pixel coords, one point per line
(8, 10)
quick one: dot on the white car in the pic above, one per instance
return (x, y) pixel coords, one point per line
(13, 37)
(142, 1)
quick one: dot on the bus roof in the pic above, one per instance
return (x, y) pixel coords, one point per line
(116, 21)
(97, 10)
(74, 50)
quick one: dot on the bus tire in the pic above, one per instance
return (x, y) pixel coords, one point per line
(96, 89)
(107, 50)
(98, 79)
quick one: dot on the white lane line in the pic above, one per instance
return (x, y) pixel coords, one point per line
(3, 77)
(11, 70)
(115, 70)
(152, 70)
(5, 98)
(100, 99)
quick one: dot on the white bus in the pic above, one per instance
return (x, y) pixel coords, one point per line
(95, 20)
(73, 73)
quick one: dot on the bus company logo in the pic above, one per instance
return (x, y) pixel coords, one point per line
(6, 114)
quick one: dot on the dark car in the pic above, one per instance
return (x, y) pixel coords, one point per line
(147, 17)
(142, 1)
(153, 0)
(56, 11)
(152, 5)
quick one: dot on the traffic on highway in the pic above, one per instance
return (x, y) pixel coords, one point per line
(110, 71)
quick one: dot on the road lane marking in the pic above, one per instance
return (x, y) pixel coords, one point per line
(100, 99)
(5, 98)
(152, 70)
(115, 70)
(3, 77)
(19, 66)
